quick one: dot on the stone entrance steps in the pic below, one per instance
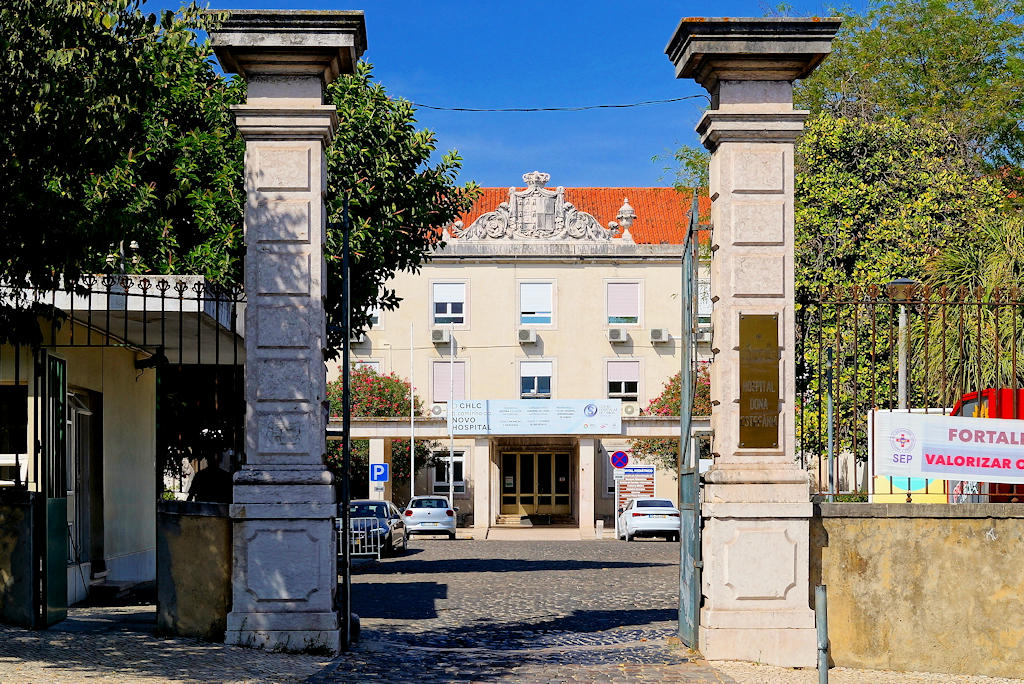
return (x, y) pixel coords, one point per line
(531, 521)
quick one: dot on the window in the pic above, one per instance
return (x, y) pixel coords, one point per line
(623, 303)
(624, 380)
(13, 419)
(442, 384)
(704, 304)
(372, 365)
(535, 303)
(449, 303)
(375, 317)
(535, 379)
(441, 473)
(429, 503)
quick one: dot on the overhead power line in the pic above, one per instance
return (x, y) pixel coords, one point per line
(580, 108)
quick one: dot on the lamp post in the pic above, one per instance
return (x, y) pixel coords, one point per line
(901, 291)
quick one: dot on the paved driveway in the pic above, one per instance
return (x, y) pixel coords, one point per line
(524, 611)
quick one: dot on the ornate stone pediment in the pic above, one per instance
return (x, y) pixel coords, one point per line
(535, 213)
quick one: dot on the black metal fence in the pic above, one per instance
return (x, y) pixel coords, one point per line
(186, 330)
(901, 346)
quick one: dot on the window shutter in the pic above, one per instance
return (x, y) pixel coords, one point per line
(530, 369)
(449, 292)
(624, 300)
(441, 380)
(623, 371)
(534, 297)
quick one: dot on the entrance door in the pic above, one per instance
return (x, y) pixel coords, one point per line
(535, 483)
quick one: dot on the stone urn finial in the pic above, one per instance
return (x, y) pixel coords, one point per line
(626, 214)
(536, 179)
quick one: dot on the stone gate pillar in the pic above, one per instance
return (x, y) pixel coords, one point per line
(284, 577)
(756, 497)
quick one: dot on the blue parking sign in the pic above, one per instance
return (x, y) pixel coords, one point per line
(378, 472)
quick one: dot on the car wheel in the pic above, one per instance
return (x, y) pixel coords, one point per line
(451, 536)
(389, 548)
(629, 537)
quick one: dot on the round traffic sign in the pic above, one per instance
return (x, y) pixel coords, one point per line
(620, 459)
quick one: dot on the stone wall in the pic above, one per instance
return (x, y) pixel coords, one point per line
(922, 587)
(193, 569)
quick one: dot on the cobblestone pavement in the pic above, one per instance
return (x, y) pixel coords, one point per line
(464, 610)
(118, 645)
(471, 610)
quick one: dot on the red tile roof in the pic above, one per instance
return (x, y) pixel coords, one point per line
(662, 214)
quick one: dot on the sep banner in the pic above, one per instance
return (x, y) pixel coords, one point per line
(917, 445)
(535, 417)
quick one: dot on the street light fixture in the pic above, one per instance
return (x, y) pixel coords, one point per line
(901, 291)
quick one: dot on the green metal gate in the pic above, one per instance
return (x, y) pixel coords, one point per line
(50, 416)
(689, 477)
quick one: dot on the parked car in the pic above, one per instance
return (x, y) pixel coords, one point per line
(377, 525)
(649, 518)
(430, 515)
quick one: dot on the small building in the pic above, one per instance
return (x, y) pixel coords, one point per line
(544, 294)
(87, 429)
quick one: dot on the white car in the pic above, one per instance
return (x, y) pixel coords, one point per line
(649, 518)
(430, 515)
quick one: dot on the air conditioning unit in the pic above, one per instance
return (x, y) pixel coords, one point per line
(358, 338)
(630, 409)
(440, 335)
(527, 336)
(660, 336)
(703, 336)
(617, 335)
(438, 410)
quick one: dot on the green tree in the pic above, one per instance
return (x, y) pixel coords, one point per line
(664, 452)
(875, 200)
(377, 396)
(75, 80)
(955, 65)
(398, 201)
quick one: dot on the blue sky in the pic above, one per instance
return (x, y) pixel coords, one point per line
(487, 54)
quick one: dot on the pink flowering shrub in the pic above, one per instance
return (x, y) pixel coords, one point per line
(664, 451)
(379, 396)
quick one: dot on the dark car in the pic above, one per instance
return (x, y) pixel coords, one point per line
(376, 525)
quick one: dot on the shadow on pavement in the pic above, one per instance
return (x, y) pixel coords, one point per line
(454, 565)
(397, 600)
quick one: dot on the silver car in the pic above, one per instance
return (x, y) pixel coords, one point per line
(430, 515)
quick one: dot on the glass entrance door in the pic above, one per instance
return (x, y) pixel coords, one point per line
(535, 483)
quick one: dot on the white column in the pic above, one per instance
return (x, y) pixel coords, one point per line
(284, 575)
(380, 452)
(585, 494)
(481, 469)
(756, 498)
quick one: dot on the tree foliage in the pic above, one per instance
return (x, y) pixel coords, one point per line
(377, 396)
(398, 202)
(954, 65)
(664, 452)
(76, 79)
(116, 127)
(876, 200)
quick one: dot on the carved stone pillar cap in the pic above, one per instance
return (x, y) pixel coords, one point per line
(290, 42)
(723, 49)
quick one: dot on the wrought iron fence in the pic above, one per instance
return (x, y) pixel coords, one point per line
(901, 346)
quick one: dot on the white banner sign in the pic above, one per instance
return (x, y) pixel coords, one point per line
(535, 417)
(934, 446)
